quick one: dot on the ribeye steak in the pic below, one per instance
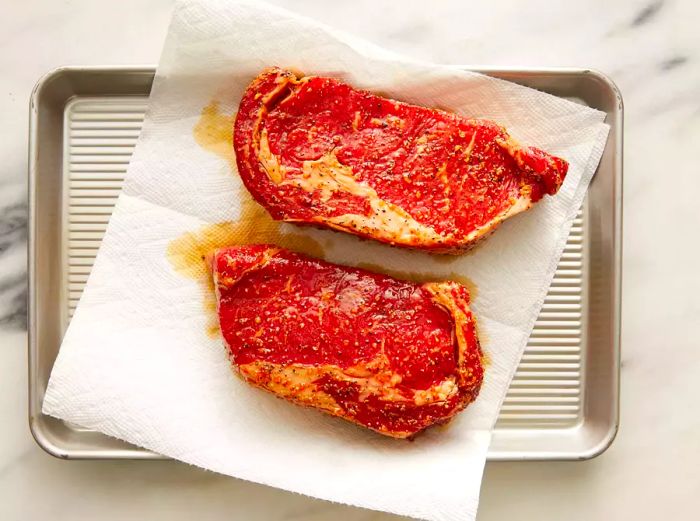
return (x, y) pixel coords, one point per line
(317, 151)
(391, 355)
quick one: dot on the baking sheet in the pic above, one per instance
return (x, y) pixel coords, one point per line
(562, 403)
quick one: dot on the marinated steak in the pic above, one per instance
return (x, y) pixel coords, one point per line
(315, 150)
(390, 355)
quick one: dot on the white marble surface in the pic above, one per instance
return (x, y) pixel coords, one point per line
(650, 48)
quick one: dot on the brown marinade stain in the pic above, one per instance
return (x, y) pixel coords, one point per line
(189, 255)
(214, 132)
(453, 256)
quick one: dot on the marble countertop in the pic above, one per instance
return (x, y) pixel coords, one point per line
(650, 48)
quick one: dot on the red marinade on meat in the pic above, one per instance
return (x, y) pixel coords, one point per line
(314, 150)
(391, 355)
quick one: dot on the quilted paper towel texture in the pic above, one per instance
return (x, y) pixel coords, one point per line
(138, 362)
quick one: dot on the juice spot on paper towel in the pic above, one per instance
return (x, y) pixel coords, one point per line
(485, 357)
(447, 259)
(189, 254)
(214, 132)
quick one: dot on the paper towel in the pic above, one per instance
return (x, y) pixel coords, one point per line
(140, 361)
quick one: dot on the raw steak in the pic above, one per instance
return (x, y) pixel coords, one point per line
(314, 150)
(391, 355)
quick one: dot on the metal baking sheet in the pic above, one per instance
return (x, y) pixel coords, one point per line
(563, 401)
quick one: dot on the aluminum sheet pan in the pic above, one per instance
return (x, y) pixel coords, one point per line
(563, 401)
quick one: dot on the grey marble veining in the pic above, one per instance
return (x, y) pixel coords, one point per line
(13, 245)
(650, 48)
